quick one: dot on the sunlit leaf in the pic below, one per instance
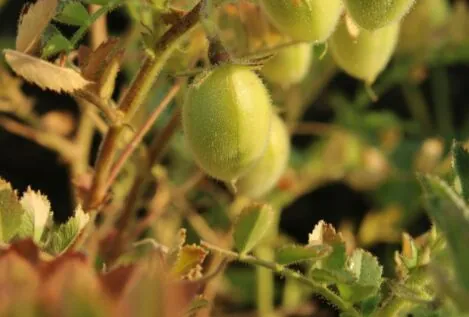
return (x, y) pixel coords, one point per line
(11, 212)
(252, 225)
(37, 214)
(33, 21)
(45, 74)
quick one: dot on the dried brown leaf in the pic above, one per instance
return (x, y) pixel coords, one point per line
(33, 21)
(101, 66)
(45, 74)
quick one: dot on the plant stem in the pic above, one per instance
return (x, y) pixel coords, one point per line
(134, 97)
(417, 106)
(288, 273)
(441, 97)
(130, 148)
(265, 283)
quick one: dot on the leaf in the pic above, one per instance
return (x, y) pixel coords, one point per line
(63, 236)
(11, 212)
(101, 66)
(368, 273)
(73, 13)
(196, 305)
(291, 254)
(251, 227)
(45, 74)
(188, 263)
(37, 214)
(460, 164)
(33, 21)
(451, 215)
(331, 269)
(55, 42)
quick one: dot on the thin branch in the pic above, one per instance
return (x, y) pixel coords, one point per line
(138, 137)
(284, 271)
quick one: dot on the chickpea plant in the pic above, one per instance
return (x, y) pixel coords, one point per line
(232, 81)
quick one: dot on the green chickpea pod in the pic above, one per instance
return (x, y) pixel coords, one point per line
(290, 65)
(304, 20)
(226, 119)
(263, 176)
(375, 14)
(365, 55)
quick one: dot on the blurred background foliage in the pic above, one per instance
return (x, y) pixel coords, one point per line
(354, 159)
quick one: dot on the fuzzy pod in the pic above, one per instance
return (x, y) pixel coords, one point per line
(366, 54)
(226, 119)
(290, 65)
(304, 20)
(263, 176)
(375, 14)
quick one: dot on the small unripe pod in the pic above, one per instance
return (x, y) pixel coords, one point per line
(263, 176)
(304, 20)
(365, 55)
(375, 14)
(226, 119)
(290, 65)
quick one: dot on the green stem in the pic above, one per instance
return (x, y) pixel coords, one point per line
(134, 97)
(441, 96)
(265, 283)
(417, 106)
(77, 36)
(316, 288)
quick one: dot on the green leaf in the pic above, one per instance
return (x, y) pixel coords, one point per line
(73, 13)
(368, 273)
(461, 167)
(291, 254)
(37, 214)
(331, 269)
(451, 215)
(55, 42)
(11, 212)
(252, 225)
(62, 236)
(196, 305)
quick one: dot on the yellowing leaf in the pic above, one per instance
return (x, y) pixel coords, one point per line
(188, 263)
(37, 211)
(45, 74)
(32, 23)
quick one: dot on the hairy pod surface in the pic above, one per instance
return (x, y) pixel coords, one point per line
(375, 14)
(366, 54)
(263, 176)
(226, 119)
(304, 20)
(290, 65)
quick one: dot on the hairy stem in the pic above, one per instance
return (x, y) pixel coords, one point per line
(317, 288)
(134, 97)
